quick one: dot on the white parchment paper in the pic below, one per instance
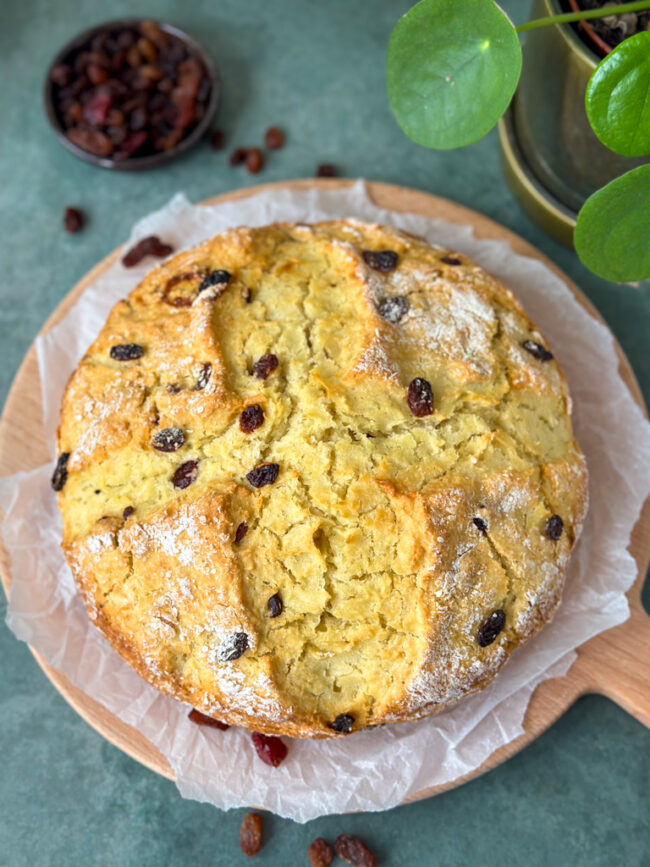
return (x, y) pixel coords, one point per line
(375, 769)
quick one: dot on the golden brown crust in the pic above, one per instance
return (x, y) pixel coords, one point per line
(388, 537)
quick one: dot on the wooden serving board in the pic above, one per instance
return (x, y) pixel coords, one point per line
(612, 663)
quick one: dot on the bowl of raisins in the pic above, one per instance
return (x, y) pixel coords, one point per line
(131, 94)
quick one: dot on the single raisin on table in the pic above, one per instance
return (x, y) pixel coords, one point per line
(343, 723)
(265, 366)
(541, 353)
(393, 309)
(420, 397)
(149, 246)
(320, 853)
(270, 749)
(202, 719)
(480, 524)
(251, 418)
(169, 439)
(73, 220)
(326, 170)
(240, 532)
(275, 605)
(354, 851)
(380, 260)
(254, 160)
(250, 834)
(204, 377)
(60, 472)
(127, 512)
(554, 527)
(491, 627)
(234, 647)
(238, 156)
(451, 260)
(265, 474)
(274, 138)
(185, 475)
(126, 352)
(214, 278)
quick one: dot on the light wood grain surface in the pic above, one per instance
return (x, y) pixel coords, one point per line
(614, 663)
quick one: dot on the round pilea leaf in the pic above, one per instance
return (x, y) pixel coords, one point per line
(451, 72)
(613, 227)
(618, 97)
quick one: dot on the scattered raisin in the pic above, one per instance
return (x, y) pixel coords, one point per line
(352, 850)
(238, 156)
(491, 627)
(127, 512)
(234, 647)
(393, 309)
(480, 524)
(169, 439)
(270, 749)
(149, 246)
(554, 527)
(73, 220)
(342, 724)
(265, 474)
(202, 719)
(217, 140)
(451, 260)
(251, 418)
(250, 834)
(240, 532)
(538, 351)
(420, 397)
(326, 170)
(265, 366)
(275, 605)
(174, 388)
(126, 352)
(254, 160)
(274, 138)
(204, 377)
(214, 278)
(60, 471)
(185, 475)
(380, 260)
(320, 853)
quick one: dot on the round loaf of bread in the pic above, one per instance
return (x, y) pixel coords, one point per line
(318, 477)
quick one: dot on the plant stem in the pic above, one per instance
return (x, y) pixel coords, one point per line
(569, 17)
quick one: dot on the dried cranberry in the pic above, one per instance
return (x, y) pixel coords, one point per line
(96, 110)
(129, 146)
(254, 160)
(275, 605)
(393, 309)
(491, 627)
(320, 853)
(91, 140)
(250, 834)
(554, 527)
(326, 170)
(185, 475)
(274, 138)
(168, 439)
(265, 366)
(480, 524)
(126, 352)
(343, 723)
(234, 647)
(451, 260)
(202, 720)
(204, 376)
(60, 471)
(217, 140)
(270, 749)
(149, 246)
(380, 260)
(214, 278)
(251, 418)
(352, 850)
(73, 220)
(265, 474)
(538, 351)
(127, 512)
(420, 397)
(238, 156)
(240, 532)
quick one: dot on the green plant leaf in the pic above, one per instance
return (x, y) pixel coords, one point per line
(618, 97)
(452, 69)
(612, 235)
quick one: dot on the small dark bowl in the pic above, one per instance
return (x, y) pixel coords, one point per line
(148, 161)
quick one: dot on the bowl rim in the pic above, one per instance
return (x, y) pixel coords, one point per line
(151, 160)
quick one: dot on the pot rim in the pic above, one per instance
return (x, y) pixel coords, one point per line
(571, 37)
(589, 30)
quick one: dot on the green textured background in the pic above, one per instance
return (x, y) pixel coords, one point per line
(579, 795)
